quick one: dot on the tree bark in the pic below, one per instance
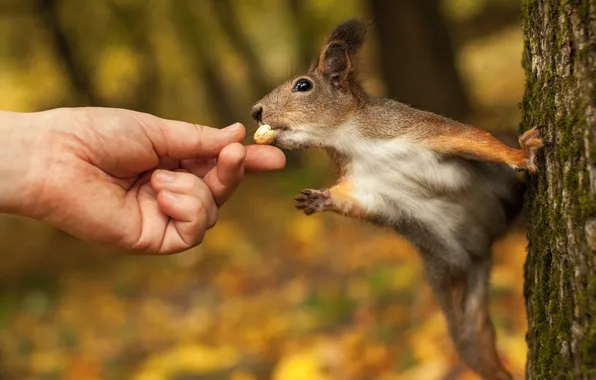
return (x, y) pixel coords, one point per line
(560, 283)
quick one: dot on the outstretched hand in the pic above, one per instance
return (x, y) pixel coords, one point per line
(131, 180)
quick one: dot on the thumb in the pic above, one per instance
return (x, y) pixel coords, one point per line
(180, 140)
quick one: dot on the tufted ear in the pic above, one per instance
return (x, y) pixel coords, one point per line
(336, 60)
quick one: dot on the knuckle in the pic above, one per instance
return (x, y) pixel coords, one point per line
(213, 216)
(197, 138)
(195, 184)
(199, 231)
(199, 208)
(198, 240)
(188, 182)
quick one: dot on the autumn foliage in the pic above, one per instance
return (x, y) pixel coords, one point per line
(271, 293)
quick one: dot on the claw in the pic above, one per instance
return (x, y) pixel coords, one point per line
(530, 141)
(310, 201)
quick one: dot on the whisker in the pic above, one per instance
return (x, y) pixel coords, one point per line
(248, 138)
(251, 131)
(292, 121)
(277, 100)
(286, 103)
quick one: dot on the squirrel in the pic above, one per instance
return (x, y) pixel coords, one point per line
(449, 188)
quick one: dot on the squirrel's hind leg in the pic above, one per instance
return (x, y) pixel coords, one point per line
(465, 302)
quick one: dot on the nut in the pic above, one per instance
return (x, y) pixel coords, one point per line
(264, 135)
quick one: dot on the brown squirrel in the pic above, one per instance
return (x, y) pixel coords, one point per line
(447, 187)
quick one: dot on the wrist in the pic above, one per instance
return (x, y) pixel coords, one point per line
(19, 138)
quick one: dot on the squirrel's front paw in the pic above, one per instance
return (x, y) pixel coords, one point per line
(310, 201)
(530, 142)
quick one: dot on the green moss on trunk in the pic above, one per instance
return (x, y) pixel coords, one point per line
(559, 59)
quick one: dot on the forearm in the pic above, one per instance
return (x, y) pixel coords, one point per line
(479, 144)
(338, 199)
(17, 149)
(482, 145)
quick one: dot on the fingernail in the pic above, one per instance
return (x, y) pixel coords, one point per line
(165, 176)
(232, 128)
(171, 197)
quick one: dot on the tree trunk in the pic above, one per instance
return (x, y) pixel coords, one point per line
(86, 94)
(417, 59)
(196, 36)
(560, 287)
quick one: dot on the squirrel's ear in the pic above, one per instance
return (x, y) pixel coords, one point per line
(337, 56)
(335, 63)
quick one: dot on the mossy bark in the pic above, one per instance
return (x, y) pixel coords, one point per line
(560, 287)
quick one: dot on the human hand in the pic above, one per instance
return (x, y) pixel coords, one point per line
(125, 179)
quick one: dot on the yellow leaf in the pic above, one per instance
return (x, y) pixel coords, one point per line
(301, 365)
(405, 275)
(375, 355)
(305, 230)
(46, 361)
(241, 375)
(194, 358)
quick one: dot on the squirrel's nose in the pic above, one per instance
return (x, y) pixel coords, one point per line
(257, 112)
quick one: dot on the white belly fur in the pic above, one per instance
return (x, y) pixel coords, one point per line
(384, 174)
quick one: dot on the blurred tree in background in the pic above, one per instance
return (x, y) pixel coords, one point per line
(265, 296)
(559, 58)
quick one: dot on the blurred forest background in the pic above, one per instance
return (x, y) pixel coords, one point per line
(271, 294)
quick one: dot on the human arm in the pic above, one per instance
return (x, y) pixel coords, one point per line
(91, 172)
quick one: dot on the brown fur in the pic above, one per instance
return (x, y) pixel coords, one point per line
(394, 161)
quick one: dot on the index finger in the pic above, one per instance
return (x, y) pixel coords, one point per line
(181, 140)
(259, 158)
(262, 158)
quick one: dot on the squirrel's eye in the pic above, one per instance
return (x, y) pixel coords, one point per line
(302, 85)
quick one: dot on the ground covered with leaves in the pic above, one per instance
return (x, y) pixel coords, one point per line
(316, 297)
